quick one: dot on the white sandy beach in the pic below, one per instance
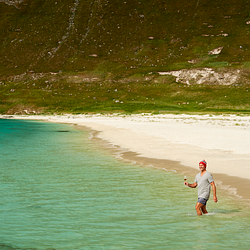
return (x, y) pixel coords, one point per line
(223, 141)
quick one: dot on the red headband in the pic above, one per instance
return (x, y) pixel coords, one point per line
(203, 163)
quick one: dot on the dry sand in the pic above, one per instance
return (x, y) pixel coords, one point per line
(177, 142)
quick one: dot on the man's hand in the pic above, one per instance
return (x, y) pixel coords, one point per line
(214, 191)
(194, 185)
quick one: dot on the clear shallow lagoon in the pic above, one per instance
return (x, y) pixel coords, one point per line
(59, 192)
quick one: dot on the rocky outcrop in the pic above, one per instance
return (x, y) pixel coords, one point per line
(205, 76)
(12, 2)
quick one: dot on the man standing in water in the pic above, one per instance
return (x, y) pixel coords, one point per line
(203, 180)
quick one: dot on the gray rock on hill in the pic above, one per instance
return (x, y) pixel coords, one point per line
(12, 2)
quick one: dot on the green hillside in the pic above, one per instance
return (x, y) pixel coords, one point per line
(101, 45)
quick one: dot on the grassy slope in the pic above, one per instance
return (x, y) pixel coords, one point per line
(75, 94)
(45, 36)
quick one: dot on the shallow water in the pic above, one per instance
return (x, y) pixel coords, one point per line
(59, 192)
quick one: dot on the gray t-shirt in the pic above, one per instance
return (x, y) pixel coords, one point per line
(204, 184)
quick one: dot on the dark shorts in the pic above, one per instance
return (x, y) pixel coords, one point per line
(202, 201)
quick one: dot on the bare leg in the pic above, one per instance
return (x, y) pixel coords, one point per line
(204, 209)
(200, 208)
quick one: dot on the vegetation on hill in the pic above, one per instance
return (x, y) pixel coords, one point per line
(103, 55)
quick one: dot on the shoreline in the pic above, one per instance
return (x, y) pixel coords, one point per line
(233, 185)
(179, 141)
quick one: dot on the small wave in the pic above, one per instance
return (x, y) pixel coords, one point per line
(91, 136)
(209, 214)
(171, 170)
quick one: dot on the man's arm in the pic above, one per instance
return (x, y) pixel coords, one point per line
(214, 191)
(194, 185)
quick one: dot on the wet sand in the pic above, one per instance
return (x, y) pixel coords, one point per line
(175, 143)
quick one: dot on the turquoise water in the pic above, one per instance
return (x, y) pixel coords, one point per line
(59, 192)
